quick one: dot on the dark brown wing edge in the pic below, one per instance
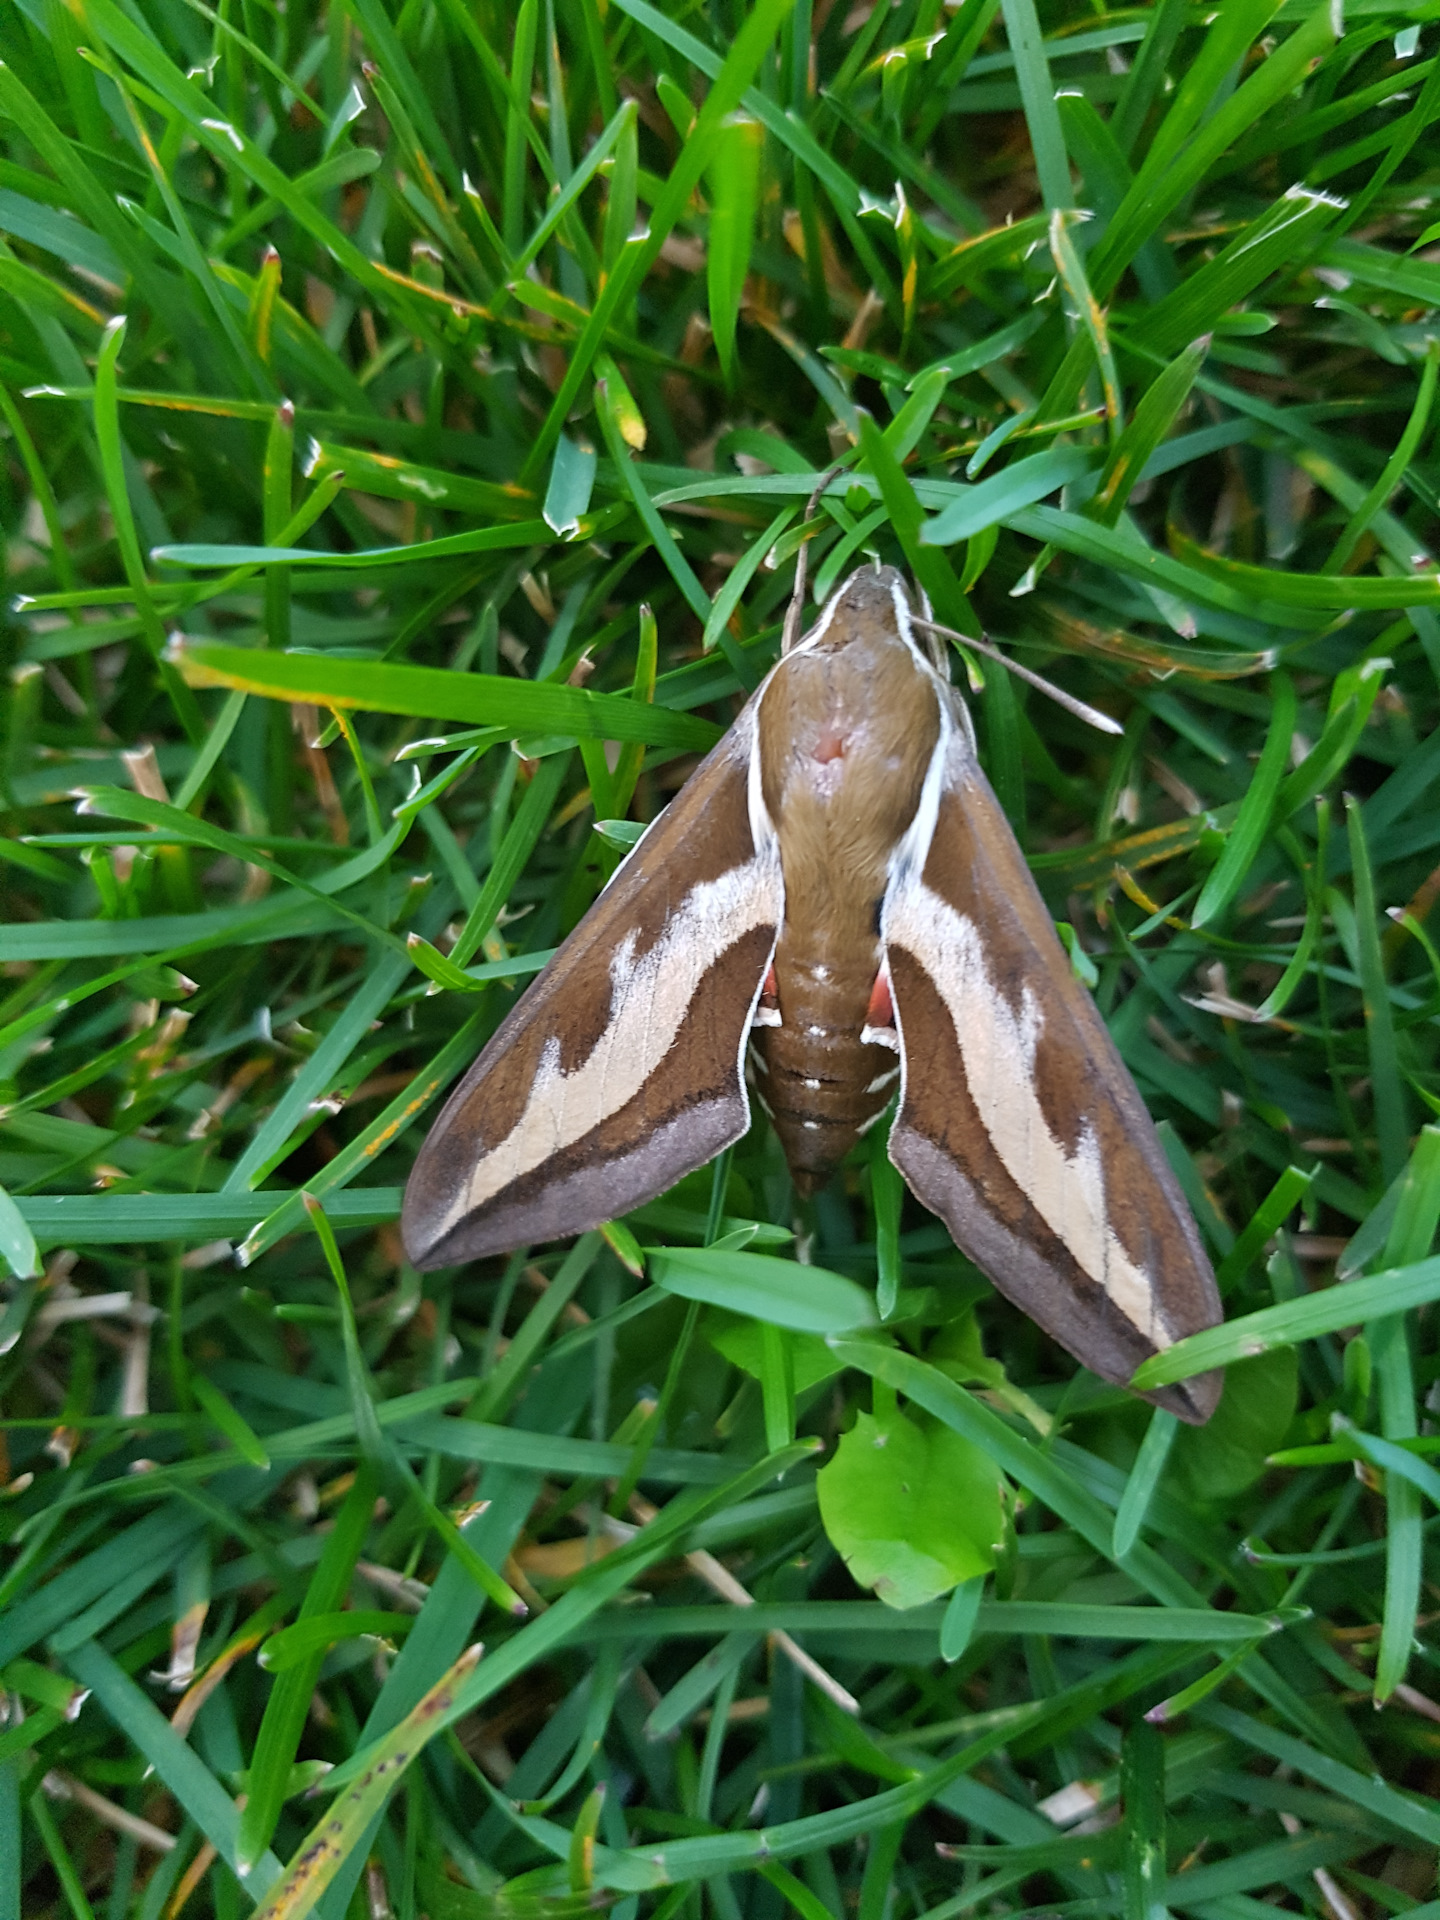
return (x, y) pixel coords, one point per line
(694, 901)
(944, 1148)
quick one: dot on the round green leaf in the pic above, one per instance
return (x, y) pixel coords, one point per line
(912, 1511)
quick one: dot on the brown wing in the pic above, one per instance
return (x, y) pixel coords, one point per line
(1018, 1122)
(621, 1067)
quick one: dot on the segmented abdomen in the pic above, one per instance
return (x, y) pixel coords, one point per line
(821, 1084)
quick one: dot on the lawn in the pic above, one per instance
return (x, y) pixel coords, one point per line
(410, 415)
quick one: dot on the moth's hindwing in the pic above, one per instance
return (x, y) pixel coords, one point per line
(1018, 1123)
(621, 1068)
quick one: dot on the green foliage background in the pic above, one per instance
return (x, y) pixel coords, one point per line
(410, 412)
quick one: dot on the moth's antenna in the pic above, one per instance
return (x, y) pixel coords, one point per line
(1090, 715)
(795, 612)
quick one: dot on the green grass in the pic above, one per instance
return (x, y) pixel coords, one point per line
(400, 404)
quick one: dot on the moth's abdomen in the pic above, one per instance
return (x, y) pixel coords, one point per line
(820, 1082)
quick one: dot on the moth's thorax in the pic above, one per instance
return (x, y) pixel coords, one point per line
(848, 727)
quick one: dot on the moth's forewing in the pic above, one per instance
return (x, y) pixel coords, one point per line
(1018, 1123)
(620, 1068)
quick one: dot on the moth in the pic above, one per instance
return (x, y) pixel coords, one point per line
(836, 898)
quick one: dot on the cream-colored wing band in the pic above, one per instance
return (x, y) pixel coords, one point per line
(650, 998)
(997, 1044)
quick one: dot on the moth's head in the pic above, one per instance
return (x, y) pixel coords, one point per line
(870, 593)
(875, 602)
